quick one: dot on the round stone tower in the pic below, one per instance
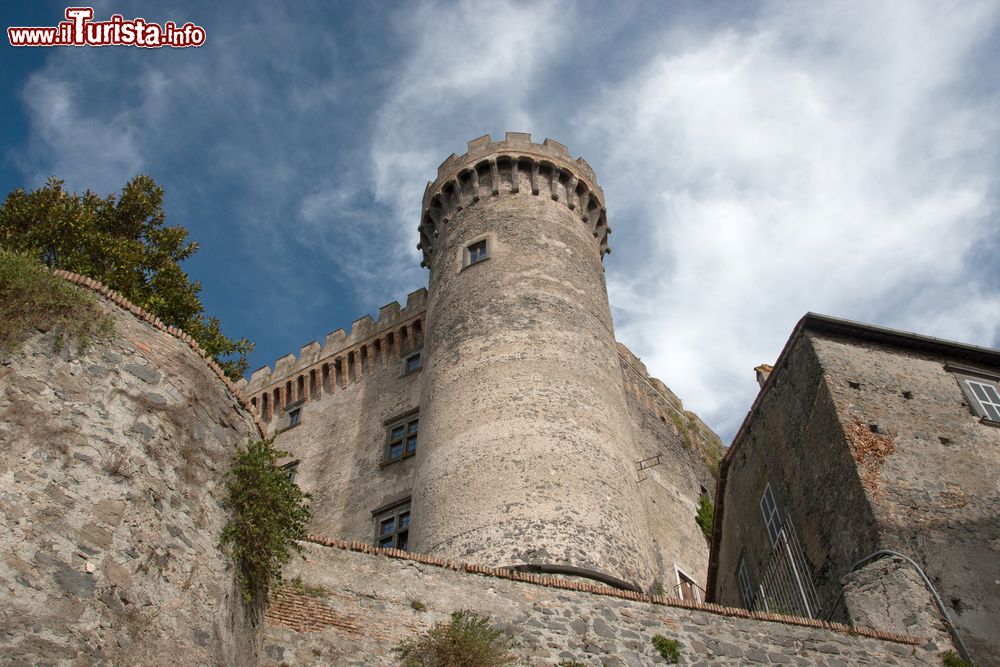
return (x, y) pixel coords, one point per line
(526, 452)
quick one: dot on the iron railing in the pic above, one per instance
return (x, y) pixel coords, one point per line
(786, 586)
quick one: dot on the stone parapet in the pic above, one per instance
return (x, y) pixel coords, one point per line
(359, 602)
(235, 388)
(363, 330)
(512, 166)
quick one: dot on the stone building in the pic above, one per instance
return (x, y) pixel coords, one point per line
(865, 440)
(490, 446)
(494, 418)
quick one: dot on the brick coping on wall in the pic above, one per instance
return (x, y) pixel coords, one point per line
(142, 313)
(285, 615)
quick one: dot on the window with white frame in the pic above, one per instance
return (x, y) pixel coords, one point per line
(687, 589)
(770, 511)
(982, 392)
(746, 588)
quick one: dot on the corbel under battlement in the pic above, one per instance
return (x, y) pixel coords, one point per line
(343, 356)
(513, 166)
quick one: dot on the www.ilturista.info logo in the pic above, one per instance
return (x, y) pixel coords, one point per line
(79, 30)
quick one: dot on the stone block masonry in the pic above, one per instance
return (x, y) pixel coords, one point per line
(361, 603)
(111, 496)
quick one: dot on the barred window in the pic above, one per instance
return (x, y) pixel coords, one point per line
(413, 363)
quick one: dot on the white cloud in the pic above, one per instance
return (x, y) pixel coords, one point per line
(472, 63)
(823, 158)
(101, 153)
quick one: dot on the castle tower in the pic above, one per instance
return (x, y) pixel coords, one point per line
(526, 455)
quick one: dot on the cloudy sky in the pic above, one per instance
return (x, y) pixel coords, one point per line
(760, 160)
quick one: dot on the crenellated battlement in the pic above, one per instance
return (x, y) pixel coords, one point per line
(512, 166)
(344, 357)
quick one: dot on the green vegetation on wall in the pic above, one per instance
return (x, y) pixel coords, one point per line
(467, 641)
(704, 517)
(32, 299)
(669, 649)
(121, 241)
(268, 514)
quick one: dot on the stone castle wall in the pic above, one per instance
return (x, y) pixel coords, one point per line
(672, 474)
(111, 483)
(343, 359)
(936, 495)
(869, 445)
(339, 444)
(355, 608)
(836, 527)
(528, 455)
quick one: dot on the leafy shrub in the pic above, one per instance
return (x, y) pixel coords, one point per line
(268, 514)
(467, 641)
(298, 586)
(34, 299)
(704, 517)
(122, 241)
(670, 649)
(952, 659)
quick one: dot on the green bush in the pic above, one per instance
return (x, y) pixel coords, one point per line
(298, 586)
(269, 513)
(467, 641)
(669, 649)
(952, 659)
(33, 299)
(704, 517)
(124, 242)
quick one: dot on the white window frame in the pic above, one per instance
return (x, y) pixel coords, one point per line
(745, 585)
(694, 584)
(984, 406)
(772, 517)
(989, 406)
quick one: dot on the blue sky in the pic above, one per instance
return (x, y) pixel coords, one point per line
(759, 160)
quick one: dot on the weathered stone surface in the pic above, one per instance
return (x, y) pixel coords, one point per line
(868, 443)
(91, 572)
(581, 458)
(522, 362)
(364, 609)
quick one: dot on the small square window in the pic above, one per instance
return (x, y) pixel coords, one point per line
(392, 526)
(294, 417)
(414, 363)
(401, 438)
(291, 469)
(477, 252)
(474, 253)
